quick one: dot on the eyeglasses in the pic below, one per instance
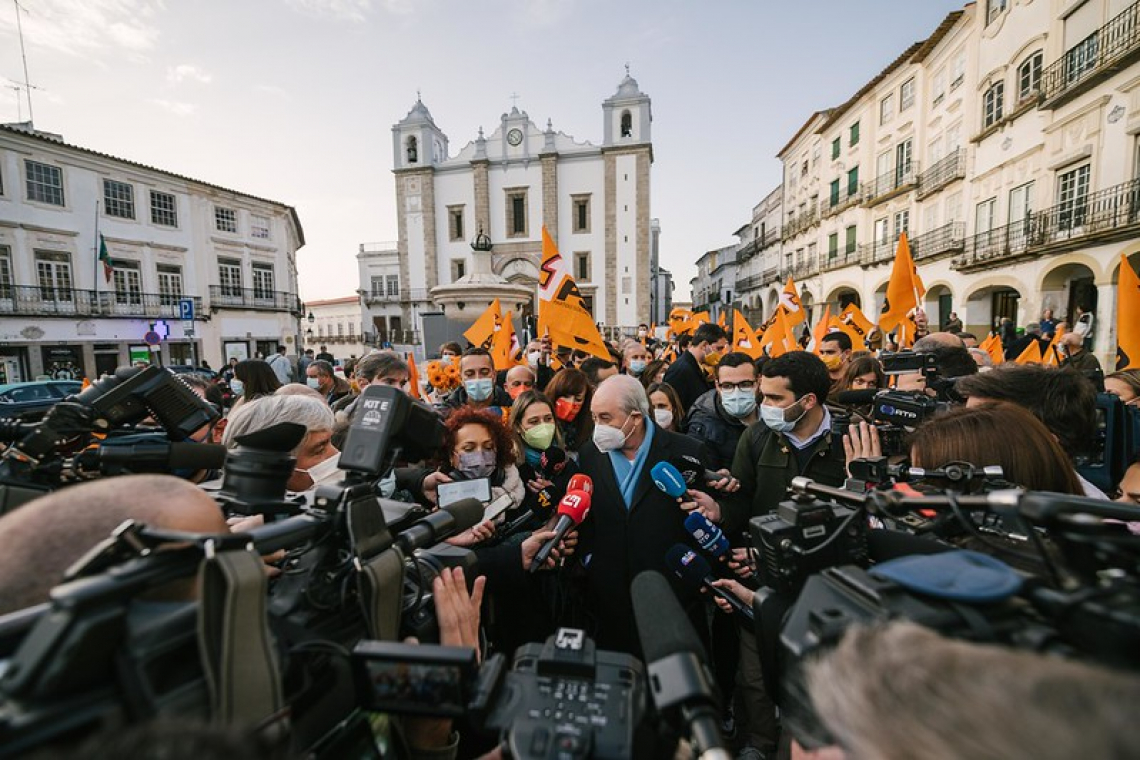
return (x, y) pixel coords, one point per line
(745, 385)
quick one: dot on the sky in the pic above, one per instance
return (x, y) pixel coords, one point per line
(294, 100)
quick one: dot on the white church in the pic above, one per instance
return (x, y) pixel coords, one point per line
(592, 198)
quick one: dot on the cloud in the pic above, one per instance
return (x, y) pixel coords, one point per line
(272, 89)
(89, 28)
(341, 10)
(175, 107)
(544, 13)
(185, 72)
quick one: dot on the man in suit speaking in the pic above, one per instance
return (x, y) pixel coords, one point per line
(632, 524)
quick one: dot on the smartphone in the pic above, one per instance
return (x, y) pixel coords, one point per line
(449, 493)
(414, 679)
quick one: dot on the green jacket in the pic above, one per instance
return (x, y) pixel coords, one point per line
(765, 465)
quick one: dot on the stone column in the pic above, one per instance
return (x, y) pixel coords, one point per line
(550, 194)
(482, 195)
(1104, 326)
(611, 283)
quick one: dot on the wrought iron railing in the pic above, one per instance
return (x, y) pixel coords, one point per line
(771, 237)
(225, 297)
(942, 173)
(800, 222)
(29, 300)
(949, 238)
(842, 257)
(899, 179)
(771, 274)
(847, 197)
(1107, 214)
(744, 284)
(1106, 50)
(877, 252)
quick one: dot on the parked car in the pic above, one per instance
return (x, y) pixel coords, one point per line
(189, 369)
(31, 400)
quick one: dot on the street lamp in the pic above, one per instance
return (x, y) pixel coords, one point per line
(309, 335)
(311, 319)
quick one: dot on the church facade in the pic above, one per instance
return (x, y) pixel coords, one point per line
(592, 198)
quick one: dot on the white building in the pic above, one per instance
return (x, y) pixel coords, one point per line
(1007, 145)
(714, 286)
(170, 239)
(385, 301)
(338, 326)
(592, 198)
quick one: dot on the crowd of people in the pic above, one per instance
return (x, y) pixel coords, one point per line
(753, 424)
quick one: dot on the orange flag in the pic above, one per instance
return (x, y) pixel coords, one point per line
(699, 317)
(821, 329)
(720, 320)
(505, 346)
(1127, 317)
(992, 346)
(779, 337)
(743, 338)
(1031, 354)
(790, 302)
(856, 325)
(482, 332)
(904, 294)
(562, 312)
(680, 321)
(413, 376)
(1052, 357)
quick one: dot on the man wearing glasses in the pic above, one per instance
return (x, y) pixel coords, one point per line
(720, 416)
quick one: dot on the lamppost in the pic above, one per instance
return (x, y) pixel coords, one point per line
(309, 332)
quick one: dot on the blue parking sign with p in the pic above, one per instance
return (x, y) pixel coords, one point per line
(186, 309)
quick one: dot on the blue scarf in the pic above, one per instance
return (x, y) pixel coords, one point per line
(533, 456)
(629, 472)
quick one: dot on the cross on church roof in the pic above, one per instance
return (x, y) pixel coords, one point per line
(514, 100)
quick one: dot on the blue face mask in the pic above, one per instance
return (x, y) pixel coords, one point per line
(637, 366)
(739, 403)
(479, 389)
(237, 386)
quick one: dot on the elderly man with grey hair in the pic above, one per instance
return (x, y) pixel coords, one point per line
(316, 456)
(632, 524)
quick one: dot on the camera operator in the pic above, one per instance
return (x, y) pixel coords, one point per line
(45, 536)
(1064, 400)
(901, 691)
(316, 456)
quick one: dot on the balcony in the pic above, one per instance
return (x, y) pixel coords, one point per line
(946, 170)
(949, 238)
(31, 301)
(838, 259)
(878, 252)
(771, 237)
(1095, 58)
(225, 297)
(748, 250)
(749, 283)
(886, 186)
(846, 198)
(771, 274)
(801, 222)
(1102, 217)
(805, 267)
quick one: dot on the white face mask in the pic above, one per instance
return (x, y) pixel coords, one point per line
(610, 438)
(533, 357)
(773, 417)
(664, 417)
(321, 470)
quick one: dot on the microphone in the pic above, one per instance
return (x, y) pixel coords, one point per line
(552, 462)
(572, 510)
(855, 398)
(580, 482)
(454, 518)
(669, 479)
(709, 537)
(694, 571)
(677, 674)
(694, 472)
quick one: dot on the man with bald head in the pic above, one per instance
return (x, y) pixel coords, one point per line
(46, 536)
(631, 525)
(519, 379)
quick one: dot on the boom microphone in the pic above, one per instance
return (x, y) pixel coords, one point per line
(669, 479)
(709, 537)
(157, 456)
(696, 573)
(572, 510)
(678, 676)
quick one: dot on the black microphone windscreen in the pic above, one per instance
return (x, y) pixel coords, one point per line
(467, 513)
(284, 436)
(197, 456)
(662, 626)
(690, 566)
(553, 457)
(854, 398)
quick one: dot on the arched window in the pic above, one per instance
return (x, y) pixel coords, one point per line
(992, 105)
(626, 124)
(1029, 77)
(413, 152)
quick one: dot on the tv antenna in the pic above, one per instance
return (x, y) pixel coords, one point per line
(27, 87)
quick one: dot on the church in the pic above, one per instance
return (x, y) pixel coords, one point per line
(504, 187)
